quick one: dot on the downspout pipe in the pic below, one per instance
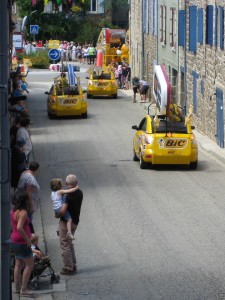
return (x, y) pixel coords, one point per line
(185, 57)
(142, 42)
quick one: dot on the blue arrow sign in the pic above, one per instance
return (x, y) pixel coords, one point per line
(54, 54)
(33, 29)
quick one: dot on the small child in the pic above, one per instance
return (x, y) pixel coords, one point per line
(57, 200)
(37, 254)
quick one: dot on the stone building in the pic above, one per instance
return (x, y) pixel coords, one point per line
(195, 66)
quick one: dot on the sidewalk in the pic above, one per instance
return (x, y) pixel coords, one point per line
(204, 142)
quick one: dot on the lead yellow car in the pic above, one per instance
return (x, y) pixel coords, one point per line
(104, 84)
(64, 100)
(159, 141)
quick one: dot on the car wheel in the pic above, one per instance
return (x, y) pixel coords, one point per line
(193, 165)
(115, 96)
(135, 158)
(143, 164)
(50, 115)
(84, 115)
(88, 95)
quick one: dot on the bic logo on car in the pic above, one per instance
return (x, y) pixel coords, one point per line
(70, 101)
(175, 143)
(172, 143)
(102, 83)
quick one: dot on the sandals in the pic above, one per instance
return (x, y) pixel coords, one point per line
(27, 293)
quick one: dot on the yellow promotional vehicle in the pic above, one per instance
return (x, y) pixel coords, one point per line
(66, 100)
(160, 141)
(104, 84)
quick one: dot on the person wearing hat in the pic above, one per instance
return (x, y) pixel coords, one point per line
(22, 132)
(18, 161)
(71, 203)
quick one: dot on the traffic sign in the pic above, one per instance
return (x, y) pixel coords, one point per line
(54, 54)
(33, 29)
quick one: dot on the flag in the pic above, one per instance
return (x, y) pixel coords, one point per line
(34, 2)
(82, 1)
(58, 2)
(45, 2)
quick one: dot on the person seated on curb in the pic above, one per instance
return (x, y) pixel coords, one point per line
(144, 86)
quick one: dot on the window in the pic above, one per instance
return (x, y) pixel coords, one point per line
(154, 17)
(200, 25)
(209, 24)
(181, 28)
(192, 28)
(163, 24)
(173, 27)
(219, 28)
(96, 6)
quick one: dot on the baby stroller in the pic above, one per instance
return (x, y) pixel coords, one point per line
(38, 272)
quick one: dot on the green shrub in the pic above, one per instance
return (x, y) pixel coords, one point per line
(39, 59)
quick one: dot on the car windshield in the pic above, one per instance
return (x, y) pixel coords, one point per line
(168, 126)
(106, 76)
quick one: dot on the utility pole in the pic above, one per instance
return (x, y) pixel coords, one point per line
(5, 35)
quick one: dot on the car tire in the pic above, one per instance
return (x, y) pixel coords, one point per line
(115, 96)
(50, 115)
(84, 115)
(143, 164)
(89, 96)
(193, 165)
(135, 158)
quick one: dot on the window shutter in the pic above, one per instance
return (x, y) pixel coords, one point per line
(153, 17)
(221, 28)
(216, 27)
(209, 25)
(192, 28)
(181, 28)
(200, 25)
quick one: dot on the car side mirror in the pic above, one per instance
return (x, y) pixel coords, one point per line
(47, 93)
(84, 91)
(87, 77)
(134, 127)
(192, 127)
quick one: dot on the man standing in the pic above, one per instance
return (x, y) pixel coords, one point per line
(72, 203)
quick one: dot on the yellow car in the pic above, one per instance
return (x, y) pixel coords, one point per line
(102, 85)
(159, 141)
(64, 100)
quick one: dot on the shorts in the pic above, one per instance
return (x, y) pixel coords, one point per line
(21, 251)
(66, 215)
(135, 89)
(144, 89)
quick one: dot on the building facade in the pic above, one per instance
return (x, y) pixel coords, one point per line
(187, 37)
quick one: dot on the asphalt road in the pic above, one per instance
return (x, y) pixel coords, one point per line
(143, 234)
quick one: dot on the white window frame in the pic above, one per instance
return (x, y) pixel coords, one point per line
(173, 27)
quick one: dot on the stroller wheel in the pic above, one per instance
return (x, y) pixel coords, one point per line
(55, 278)
(34, 284)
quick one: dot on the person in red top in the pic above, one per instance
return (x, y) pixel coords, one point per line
(21, 244)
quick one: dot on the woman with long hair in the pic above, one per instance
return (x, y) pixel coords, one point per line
(21, 244)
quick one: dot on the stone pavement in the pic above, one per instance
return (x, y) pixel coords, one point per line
(204, 142)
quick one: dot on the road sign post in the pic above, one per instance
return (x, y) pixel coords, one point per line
(34, 30)
(53, 54)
